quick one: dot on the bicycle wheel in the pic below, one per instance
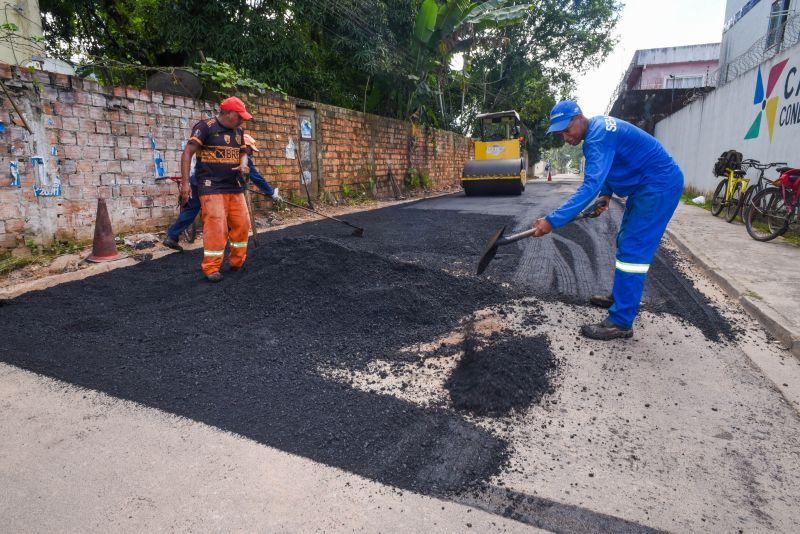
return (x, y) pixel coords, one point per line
(732, 208)
(767, 217)
(718, 200)
(747, 199)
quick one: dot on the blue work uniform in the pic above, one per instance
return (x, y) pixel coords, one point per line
(621, 159)
(190, 210)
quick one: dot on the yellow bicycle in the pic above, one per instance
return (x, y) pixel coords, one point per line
(731, 189)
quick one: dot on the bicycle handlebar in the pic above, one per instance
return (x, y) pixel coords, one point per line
(758, 165)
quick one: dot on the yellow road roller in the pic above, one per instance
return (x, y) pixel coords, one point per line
(501, 162)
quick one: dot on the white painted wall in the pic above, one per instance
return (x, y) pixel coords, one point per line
(697, 134)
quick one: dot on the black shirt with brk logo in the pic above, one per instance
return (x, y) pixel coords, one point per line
(220, 151)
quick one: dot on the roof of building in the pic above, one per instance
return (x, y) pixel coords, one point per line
(676, 54)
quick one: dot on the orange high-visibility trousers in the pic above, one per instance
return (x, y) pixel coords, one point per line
(220, 212)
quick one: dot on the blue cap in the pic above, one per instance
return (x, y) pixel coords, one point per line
(561, 115)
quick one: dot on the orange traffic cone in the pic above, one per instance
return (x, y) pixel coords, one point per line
(549, 176)
(103, 246)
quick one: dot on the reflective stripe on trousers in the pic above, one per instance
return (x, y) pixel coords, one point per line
(221, 212)
(632, 267)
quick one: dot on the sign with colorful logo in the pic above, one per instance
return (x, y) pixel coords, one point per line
(772, 108)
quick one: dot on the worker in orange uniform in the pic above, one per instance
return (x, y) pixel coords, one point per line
(221, 159)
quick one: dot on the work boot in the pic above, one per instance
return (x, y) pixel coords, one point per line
(238, 269)
(605, 330)
(172, 243)
(214, 277)
(602, 301)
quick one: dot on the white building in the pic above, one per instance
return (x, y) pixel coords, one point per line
(23, 45)
(755, 107)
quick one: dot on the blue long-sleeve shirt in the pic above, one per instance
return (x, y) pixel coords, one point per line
(259, 180)
(621, 159)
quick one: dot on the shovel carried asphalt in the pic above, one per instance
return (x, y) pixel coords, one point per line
(358, 232)
(498, 240)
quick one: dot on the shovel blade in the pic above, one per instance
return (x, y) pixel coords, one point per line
(490, 251)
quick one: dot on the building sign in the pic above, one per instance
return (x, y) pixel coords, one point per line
(790, 113)
(778, 102)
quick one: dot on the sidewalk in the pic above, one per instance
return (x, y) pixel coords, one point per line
(763, 277)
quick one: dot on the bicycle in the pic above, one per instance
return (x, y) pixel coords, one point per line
(775, 208)
(760, 185)
(190, 234)
(728, 194)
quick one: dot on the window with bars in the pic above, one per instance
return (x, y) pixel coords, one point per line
(778, 14)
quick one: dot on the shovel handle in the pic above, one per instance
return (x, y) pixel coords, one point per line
(322, 214)
(588, 212)
(515, 237)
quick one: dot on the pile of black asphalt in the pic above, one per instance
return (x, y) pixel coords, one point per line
(245, 355)
(502, 373)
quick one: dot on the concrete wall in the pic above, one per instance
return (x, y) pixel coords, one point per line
(104, 142)
(678, 54)
(700, 132)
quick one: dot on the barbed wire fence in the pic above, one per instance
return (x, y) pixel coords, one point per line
(772, 43)
(775, 41)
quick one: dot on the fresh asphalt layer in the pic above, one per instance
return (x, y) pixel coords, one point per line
(385, 357)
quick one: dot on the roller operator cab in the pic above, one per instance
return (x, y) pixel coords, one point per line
(500, 163)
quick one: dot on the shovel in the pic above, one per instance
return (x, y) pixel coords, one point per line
(358, 232)
(497, 239)
(250, 210)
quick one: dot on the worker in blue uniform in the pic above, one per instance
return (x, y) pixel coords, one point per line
(623, 160)
(192, 207)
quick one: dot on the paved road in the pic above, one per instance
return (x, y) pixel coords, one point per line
(312, 392)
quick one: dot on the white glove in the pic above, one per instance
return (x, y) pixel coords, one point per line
(276, 195)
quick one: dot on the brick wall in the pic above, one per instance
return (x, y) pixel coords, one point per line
(100, 142)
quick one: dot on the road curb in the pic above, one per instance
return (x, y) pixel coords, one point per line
(771, 320)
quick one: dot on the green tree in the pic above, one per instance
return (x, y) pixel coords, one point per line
(381, 56)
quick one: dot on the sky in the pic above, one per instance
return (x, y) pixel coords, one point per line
(649, 24)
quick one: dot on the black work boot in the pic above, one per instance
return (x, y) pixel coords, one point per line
(172, 243)
(605, 330)
(602, 301)
(214, 277)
